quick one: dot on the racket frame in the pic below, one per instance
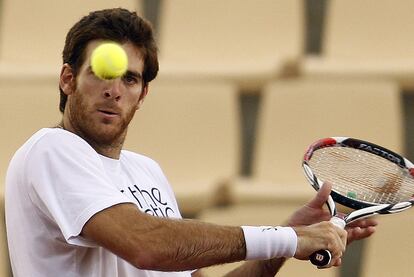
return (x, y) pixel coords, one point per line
(361, 209)
(359, 206)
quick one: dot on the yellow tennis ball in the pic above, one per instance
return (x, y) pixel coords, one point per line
(109, 61)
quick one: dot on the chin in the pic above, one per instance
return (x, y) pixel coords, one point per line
(108, 134)
(112, 133)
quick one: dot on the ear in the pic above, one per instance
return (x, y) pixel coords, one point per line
(67, 79)
(142, 96)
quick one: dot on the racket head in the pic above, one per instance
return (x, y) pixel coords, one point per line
(362, 174)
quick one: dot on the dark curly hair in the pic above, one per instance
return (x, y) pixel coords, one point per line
(119, 25)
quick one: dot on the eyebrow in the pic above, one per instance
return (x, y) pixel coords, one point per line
(134, 74)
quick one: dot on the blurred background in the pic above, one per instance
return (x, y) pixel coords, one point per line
(244, 87)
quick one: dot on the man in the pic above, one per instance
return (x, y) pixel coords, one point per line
(76, 202)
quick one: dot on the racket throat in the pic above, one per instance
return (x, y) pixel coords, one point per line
(331, 206)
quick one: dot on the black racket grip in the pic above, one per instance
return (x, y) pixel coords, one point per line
(322, 258)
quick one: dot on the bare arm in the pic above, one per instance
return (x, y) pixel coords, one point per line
(163, 244)
(155, 243)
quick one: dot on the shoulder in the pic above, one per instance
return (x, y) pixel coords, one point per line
(50, 151)
(52, 136)
(55, 142)
(55, 137)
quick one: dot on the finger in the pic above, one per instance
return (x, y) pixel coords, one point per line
(337, 237)
(342, 237)
(358, 233)
(337, 262)
(340, 243)
(322, 196)
(336, 258)
(363, 223)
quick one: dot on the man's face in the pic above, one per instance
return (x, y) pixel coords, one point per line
(100, 110)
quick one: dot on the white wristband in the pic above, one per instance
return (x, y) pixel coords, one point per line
(266, 242)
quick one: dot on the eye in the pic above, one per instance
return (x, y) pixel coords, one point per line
(130, 79)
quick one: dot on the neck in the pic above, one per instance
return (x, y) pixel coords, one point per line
(110, 150)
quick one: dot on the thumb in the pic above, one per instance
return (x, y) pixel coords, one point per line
(321, 196)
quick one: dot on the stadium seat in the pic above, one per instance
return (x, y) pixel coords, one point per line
(364, 41)
(27, 105)
(192, 130)
(32, 33)
(296, 113)
(247, 42)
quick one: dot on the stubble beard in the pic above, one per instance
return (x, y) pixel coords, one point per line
(96, 133)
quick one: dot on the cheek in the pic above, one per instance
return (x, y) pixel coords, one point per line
(81, 100)
(88, 90)
(129, 114)
(78, 106)
(133, 106)
(134, 99)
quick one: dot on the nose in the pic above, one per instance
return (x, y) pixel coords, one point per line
(113, 90)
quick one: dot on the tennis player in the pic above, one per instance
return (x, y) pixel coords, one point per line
(78, 205)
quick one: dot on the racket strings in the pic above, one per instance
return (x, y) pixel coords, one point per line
(362, 176)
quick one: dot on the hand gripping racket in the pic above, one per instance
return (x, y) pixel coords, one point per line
(365, 177)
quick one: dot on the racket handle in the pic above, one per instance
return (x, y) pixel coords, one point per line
(322, 258)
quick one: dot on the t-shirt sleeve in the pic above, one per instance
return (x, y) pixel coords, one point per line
(67, 181)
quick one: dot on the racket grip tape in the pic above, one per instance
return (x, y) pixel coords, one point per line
(322, 258)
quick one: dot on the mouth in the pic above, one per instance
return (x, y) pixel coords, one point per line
(108, 112)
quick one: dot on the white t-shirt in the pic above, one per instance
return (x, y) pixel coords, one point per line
(55, 183)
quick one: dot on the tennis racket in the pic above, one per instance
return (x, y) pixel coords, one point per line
(365, 177)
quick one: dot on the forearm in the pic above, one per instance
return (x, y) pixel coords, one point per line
(190, 244)
(164, 244)
(266, 268)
